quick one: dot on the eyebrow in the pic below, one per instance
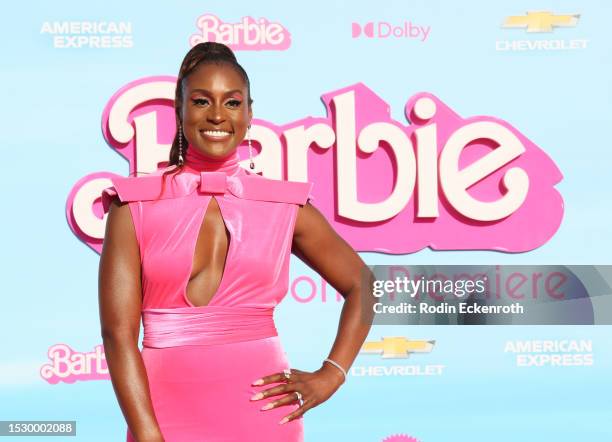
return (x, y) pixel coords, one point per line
(207, 92)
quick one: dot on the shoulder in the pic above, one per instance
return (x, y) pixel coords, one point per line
(293, 192)
(139, 188)
(119, 213)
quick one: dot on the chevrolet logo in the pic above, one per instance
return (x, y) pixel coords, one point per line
(396, 347)
(540, 21)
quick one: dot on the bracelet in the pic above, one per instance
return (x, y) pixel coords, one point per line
(335, 364)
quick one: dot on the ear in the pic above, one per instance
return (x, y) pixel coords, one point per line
(250, 115)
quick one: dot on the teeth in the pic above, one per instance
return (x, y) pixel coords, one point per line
(216, 133)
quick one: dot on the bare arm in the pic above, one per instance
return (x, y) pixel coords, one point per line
(322, 249)
(120, 293)
(317, 244)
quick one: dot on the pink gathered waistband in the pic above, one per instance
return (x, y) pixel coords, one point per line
(206, 325)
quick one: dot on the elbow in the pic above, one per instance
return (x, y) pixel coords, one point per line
(119, 336)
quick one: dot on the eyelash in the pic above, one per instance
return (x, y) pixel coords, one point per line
(199, 100)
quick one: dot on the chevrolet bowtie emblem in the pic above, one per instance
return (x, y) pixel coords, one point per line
(540, 21)
(396, 347)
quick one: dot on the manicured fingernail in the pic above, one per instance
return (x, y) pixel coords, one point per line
(283, 420)
(267, 406)
(257, 396)
(257, 382)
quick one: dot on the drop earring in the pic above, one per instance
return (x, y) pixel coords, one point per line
(251, 163)
(180, 152)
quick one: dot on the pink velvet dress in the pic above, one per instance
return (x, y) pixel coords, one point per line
(202, 360)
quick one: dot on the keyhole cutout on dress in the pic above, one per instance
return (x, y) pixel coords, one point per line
(209, 258)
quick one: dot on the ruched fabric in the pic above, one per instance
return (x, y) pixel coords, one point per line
(211, 325)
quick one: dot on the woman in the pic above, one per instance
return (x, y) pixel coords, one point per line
(200, 249)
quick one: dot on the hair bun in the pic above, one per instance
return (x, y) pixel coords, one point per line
(216, 49)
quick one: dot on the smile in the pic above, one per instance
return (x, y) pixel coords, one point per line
(215, 134)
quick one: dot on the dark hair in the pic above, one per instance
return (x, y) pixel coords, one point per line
(208, 52)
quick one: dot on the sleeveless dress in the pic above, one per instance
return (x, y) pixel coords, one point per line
(201, 360)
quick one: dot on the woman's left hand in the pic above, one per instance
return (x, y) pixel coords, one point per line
(315, 388)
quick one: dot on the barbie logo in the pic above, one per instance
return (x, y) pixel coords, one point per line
(244, 35)
(70, 366)
(441, 181)
(400, 438)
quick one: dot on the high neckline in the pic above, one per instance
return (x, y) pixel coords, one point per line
(200, 162)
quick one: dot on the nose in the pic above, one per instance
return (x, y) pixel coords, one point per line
(215, 115)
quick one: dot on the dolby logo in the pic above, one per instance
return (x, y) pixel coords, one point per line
(383, 29)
